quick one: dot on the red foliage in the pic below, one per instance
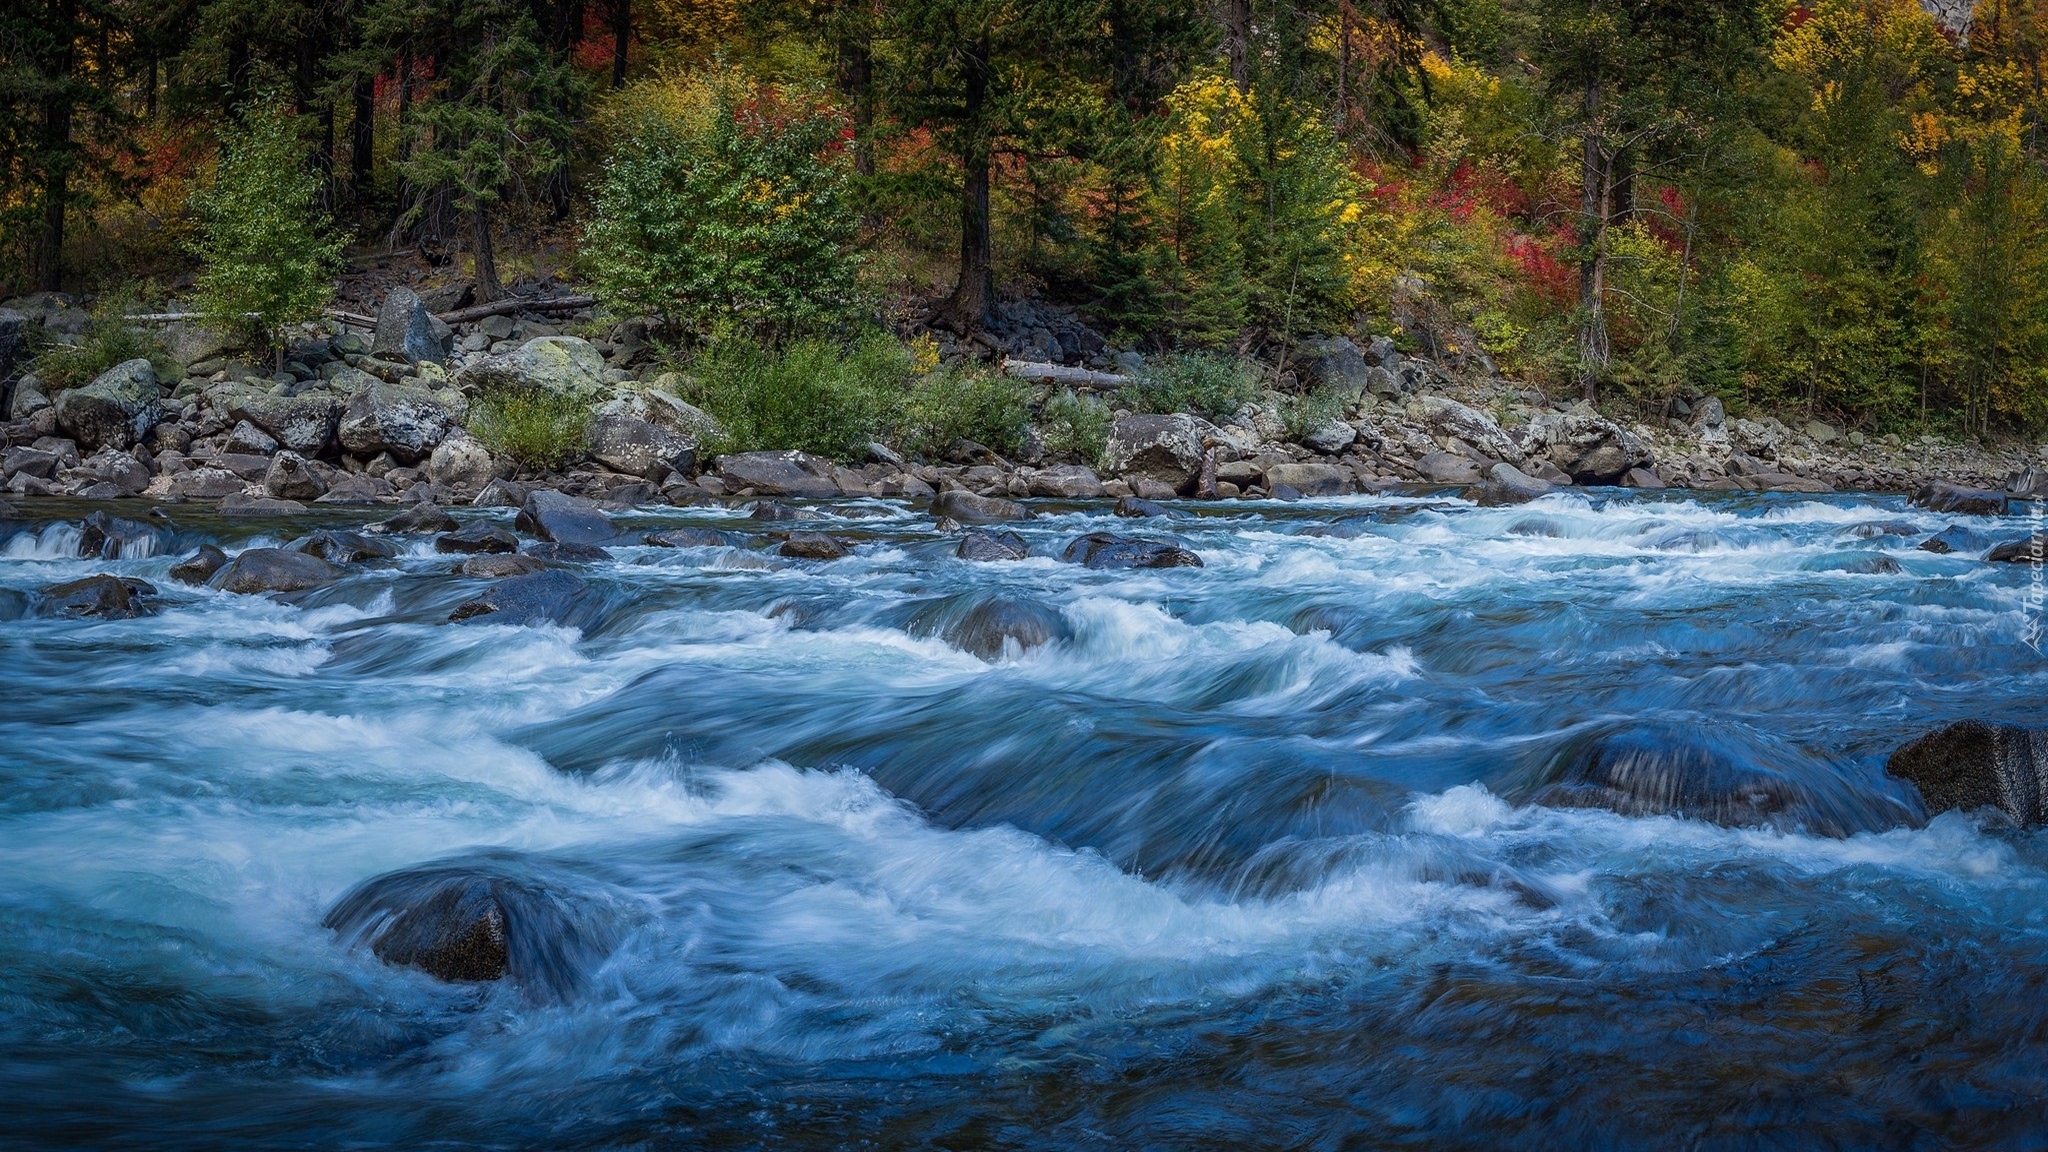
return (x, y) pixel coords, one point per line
(1547, 276)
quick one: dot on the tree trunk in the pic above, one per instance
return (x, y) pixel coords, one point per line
(1595, 193)
(967, 310)
(857, 84)
(1237, 36)
(488, 288)
(622, 37)
(55, 151)
(363, 134)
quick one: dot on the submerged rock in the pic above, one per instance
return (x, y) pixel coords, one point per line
(1719, 775)
(1133, 508)
(199, 567)
(477, 536)
(274, 570)
(344, 547)
(986, 546)
(989, 628)
(688, 538)
(1953, 538)
(100, 597)
(111, 537)
(812, 546)
(1977, 765)
(2032, 550)
(967, 508)
(498, 565)
(550, 597)
(562, 519)
(1941, 496)
(1104, 550)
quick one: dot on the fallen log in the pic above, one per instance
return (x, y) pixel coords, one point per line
(511, 304)
(1086, 379)
(354, 318)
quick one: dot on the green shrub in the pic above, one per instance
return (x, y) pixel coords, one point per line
(811, 395)
(955, 404)
(1205, 385)
(108, 340)
(535, 427)
(268, 257)
(1074, 424)
(725, 203)
(1309, 411)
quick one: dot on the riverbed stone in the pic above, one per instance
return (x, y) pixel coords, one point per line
(461, 462)
(548, 597)
(1104, 550)
(689, 538)
(406, 330)
(1166, 449)
(640, 447)
(1000, 626)
(1942, 496)
(340, 547)
(967, 508)
(101, 597)
(812, 546)
(274, 570)
(1972, 765)
(778, 474)
(992, 546)
(565, 519)
(291, 477)
(1066, 481)
(116, 410)
(397, 418)
(476, 537)
(2031, 550)
(498, 565)
(421, 518)
(199, 567)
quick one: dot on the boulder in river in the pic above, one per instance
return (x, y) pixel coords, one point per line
(778, 474)
(1721, 775)
(994, 627)
(986, 546)
(689, 538)
(1136, 509)
(1312, 478)
(554, 552)
(2032, 550)
(1507, 484)
(112, 538)
(475, 537)
(420, 518)
(1942, 496)
(812, 546)
(1589, 448)
(274, 570)
(244, 504)
(967, 508)
(199, 567)
(498, 565)
(1975, 765)
(562, 519)
(1106, 550)
(337, 547)
(1167, 449)
(291, 477)
(550, 597)
(101, 597)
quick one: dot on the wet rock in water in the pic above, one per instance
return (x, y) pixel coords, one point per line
(812, 546)
(1975, 765)
(1507, 484)
(1860, 563)
(474, 921)
(1066, 481)
(770, 510)
(420, 518)
(1941, 496)
(1878, 529)
(1102, 550)
(99, 597)
(1448, 468)
(111, 537)
(1547, 526)
(2032, 550)
(550, 597)
(243, 504)
(689, 538)
(556, 553)
(967, 508)
(991, 546)
(498, 566)
(1136, 509)
(778, 474)
(476, 537)
(1307, 479)
(993, 628)
(274, 570)
(344, 547)
(199, 567)
(562, 519)
(1952, 539)
(1684, 540)
(1717, 774)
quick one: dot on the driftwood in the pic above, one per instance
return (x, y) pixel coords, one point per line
(354, 318)
(1086, 379)
(511, 304)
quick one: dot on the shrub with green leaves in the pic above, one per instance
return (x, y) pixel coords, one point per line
(535, 427)
(813, 395)
(1074, 424)
(1205, 385)
(1309, 411)
(268, 256)
(725, 204)
(955, 403)
(108, 340)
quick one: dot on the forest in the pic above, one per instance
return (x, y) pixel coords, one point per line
(1838, 209)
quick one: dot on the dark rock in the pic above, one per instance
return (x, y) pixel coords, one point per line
(243, 504)
(396, 418)
(689, 538)
(420, 518)
(1721, 775)
(475, 537)
(812, 546)
(290, 477)
(770, 510)
(1879, 528)
(1286, 493)
(115, 410)
(1942, 496)
(1953, 538)
(1975, 765)
(100, 597)
(555, 553)
(406, 330)
(1103, 550)
(992, 546)
(112, 538)
(248, 439)
(344, 547)
(274, 570)
(498, 566)
(562, 519)
(639, 448)
(550, 597)
(991, 629)
(1137, 509)
(199, 567)
(2032, 550)
(778, 474)
(967, 508)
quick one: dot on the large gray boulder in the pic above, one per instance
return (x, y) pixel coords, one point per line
(303, 422)
(640, 447)
(1942, 496)
(563, 519)
(778, 474)
(1447, 417)
(1066, 481)
(968, 508)
(550, 597)
(1335, 362)
(1310, 479)
(291, 477)
(1589, 448)
(1975, 765)
(274, 570)
(396, 418)
(1163, 448)
(563, 365)
(461, 462)
(115, 410)
(407, 331)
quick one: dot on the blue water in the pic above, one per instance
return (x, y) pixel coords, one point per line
(1244, 857)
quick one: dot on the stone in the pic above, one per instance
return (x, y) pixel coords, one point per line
(462, 463)
(778, 474)
(556, 553)
(1641, 478)
(291, 477)
(115, 410)
(1138, 509)
(1066, 482)
(1448, 468)
(562, 365)
(1308, 479)
(1103, 550)
(249, 439)
(501, 494)
(1709, 413)
(396, 418)
(121, 469)
(498, 566)
(419, 518)
(98, 597)
(274, 570)
(2032, 550)
(1448, 418)
(1507, 484)
(812, 546)
(547, 597)
(1589, 448)
(1333, 362)
(406, 330)
(1000, 627)
(640, 448)
(562, 519)
(1822, 432)
(770, 510)
(1942, 496)
(1146, 488)
(1973, 765)
(475, 537)
(992, 546)
(249, 468)
(902, 485)
(199, 567)
(356, 488)
(28, 461)
(689, 538)
(243, 504)
(967, 508)
(1331, 438)
(1166, 449)
(337, 547)
(303, 422)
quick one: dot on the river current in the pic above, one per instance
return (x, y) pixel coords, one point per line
(1245, 856)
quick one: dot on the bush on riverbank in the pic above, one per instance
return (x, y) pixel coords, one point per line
(813, 395)
(109, 339)
(535, 427)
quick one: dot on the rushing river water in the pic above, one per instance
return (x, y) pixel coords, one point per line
(1245, 857)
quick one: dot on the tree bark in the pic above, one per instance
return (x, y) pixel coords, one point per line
(857, 84)
(363, 134)
(56, 151)
(1237, 36)
(622, 38)
(967, 310)
(1595, 201)
(488, 287)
